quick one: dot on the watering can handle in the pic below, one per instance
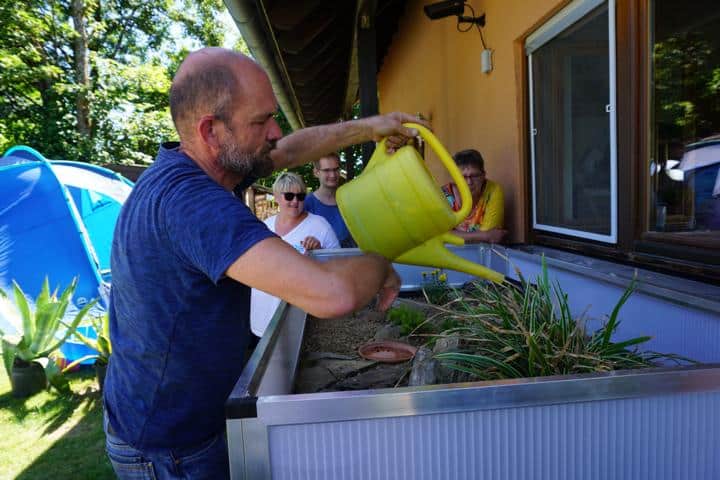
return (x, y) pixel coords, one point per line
(447, 160)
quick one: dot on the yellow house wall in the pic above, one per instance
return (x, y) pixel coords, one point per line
(433, 69)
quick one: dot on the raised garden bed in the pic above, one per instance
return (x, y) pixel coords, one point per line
(478, 332)
(557, 427)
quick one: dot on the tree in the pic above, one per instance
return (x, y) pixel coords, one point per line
(89, 79)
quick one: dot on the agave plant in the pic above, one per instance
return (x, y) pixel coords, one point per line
(39, 332)
(526, 330)
(101, 344)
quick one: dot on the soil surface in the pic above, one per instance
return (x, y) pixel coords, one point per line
(342, 335)
(329, 360)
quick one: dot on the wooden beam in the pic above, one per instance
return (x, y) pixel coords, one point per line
(367, 67)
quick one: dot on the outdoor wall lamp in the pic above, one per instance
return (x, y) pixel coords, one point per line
(438, 10)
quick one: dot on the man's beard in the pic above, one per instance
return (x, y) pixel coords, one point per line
(233, 158)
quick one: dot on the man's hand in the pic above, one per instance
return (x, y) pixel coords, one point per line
(391, 126)
(389, 291)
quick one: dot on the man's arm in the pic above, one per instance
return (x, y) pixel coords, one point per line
(309, 144)
(324, 289)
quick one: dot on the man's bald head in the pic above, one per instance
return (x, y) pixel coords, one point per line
(208, 82)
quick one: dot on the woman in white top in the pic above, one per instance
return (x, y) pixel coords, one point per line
(303, 230)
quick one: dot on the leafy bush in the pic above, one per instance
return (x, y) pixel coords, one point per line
(407, 318)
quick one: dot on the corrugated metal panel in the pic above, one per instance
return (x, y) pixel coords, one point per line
(671, 437)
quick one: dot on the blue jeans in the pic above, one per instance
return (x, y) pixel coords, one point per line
(207, 460)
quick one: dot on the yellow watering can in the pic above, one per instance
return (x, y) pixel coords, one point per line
(395, 208)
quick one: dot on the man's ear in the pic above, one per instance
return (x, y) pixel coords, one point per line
(207, 132)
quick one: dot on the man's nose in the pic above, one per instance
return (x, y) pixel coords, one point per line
(274, 133)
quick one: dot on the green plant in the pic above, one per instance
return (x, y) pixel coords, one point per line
(408, 318)
(40, 326)
(510, 331)
(435, 287)
(101, 344)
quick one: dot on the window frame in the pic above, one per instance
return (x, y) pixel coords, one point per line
(667, 252)
(556, 25)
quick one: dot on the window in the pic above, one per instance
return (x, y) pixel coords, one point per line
(648, 192)
(571, 70)
(684, 162)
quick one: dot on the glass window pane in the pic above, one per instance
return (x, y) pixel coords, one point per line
(685, 148)
(570, 85)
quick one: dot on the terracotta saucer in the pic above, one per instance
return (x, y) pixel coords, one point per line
(387, 351)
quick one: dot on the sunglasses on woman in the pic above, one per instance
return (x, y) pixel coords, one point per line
(288, 196)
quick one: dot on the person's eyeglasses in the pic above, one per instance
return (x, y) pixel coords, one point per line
(288, 196)
(330, 170)
(472, 177)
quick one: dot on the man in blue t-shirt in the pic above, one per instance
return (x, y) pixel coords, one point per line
(322, 201)
(185, 254)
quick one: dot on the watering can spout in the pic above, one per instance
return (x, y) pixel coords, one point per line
(433, 253)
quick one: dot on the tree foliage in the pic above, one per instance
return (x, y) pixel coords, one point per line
(132, 51)
(687, 86)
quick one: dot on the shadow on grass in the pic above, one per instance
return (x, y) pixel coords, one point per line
(78, 455)
(58, 409)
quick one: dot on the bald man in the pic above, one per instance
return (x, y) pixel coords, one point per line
(186, 253)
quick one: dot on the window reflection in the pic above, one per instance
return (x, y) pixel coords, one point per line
(685, 152)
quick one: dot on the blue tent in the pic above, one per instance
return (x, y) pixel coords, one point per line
(57, 220)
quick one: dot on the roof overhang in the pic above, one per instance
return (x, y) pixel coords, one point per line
(309, 50)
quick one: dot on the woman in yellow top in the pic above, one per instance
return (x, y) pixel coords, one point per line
(485, 221)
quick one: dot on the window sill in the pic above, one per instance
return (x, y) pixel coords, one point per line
(679, 290)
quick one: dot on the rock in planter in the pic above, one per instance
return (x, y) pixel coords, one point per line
(423, 368)
(388, 332)
(27, 378)
(447, 344)
(445, 374)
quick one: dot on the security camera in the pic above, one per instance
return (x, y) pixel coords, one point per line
(444, 9)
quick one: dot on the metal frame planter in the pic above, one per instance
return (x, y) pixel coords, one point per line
(661, 423)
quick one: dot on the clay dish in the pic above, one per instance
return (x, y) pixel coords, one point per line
(387, 351)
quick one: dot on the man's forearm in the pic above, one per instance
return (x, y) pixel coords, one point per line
(364, 276)
(309, 144)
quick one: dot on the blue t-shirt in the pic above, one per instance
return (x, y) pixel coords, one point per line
(179, 327)
(331, 213)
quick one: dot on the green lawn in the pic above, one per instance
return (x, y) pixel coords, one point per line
(49, 436)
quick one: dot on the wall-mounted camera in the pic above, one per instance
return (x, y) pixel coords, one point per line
(448, 8)
(444, 9)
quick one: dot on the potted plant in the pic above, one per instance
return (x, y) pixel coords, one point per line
(101, 344)
(27, 356)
